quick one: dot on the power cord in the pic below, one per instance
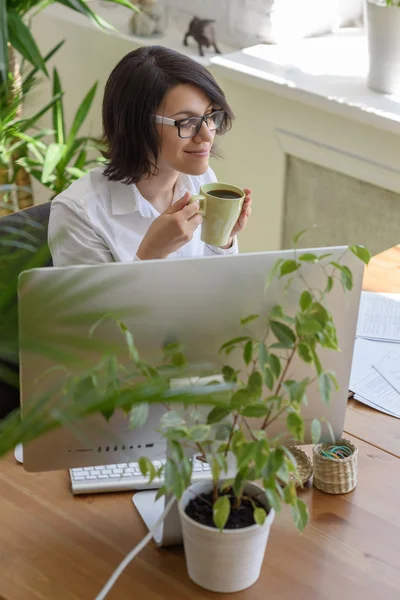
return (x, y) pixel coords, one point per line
(133, 553)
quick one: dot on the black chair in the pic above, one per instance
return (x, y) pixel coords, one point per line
(23, 245)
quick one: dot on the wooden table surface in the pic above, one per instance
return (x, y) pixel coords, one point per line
(54, 546)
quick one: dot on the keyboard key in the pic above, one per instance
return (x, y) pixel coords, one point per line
(102, 476)
(95, 473)
(78, 477)
(90, 477)
(117, 471)
(77, 471)
(114, 476)
(122, 466)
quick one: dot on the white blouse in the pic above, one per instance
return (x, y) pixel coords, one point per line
(96, 221)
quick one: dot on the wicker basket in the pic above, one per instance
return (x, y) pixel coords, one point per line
(304, 466)
(335, 475)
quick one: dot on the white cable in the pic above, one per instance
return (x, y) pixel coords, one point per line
(133, 553)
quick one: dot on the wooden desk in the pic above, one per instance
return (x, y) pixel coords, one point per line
(56, 547)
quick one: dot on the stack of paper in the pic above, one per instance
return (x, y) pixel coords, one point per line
(375, 371)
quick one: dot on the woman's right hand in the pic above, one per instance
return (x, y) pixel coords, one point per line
(171, 230)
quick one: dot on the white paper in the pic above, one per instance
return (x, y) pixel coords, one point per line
(375, 406)
(366, 354)
(378, 391)
(379, 316)
(389, 368)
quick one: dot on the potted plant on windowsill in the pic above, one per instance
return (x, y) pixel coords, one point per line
(226, 521)
(383, 28)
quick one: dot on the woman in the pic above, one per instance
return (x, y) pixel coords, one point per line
(161, 113)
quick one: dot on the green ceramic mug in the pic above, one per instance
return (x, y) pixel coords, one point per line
(220, 205)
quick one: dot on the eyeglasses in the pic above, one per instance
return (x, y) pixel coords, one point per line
(188, 128)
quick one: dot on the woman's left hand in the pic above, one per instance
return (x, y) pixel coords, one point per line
(244, 215)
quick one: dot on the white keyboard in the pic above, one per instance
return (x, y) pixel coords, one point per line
(124, 477)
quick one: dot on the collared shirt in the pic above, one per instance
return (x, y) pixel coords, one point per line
(96, 221)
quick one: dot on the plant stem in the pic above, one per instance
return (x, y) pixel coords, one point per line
(279, 385)
(244, 420)
(235, 420)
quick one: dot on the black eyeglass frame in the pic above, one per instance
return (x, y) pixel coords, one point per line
(201, 120)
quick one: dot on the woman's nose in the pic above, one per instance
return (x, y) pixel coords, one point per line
(204, 135)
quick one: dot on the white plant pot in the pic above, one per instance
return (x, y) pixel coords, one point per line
(383, 32)
(227, 561)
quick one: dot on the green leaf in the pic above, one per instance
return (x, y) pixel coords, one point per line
(324, 382)
(81, 114)
(133, 352)
(273, 499)
(171, 419)
(269, 378)
(249, 319)
(259, 516)
(138, 415)
(283, 333)
(215, 469)
(346, 277)
(295, 425)
(262, 354)
(276, 312)
(288, 266)
(234, 342)
(361, 253)
(161, 492)
(177, 453)
(255, 384)
(309, 327)
(221, 512)
(254, 410)
(248, 352)
(147, 468)
(273, 273)
(275, 364)
(304, 352)
(299, 235)
(333, 379)
(315, 431)
(329, 284)
(305, 300)
(296, 389)
(222, 431)
(289, 493)
(308, 257)
(240, 398)
(217, 414)
(52, 157)
(173, 479)
(300, 514)
(199, 433)
(20, 37)
(229, 374)
(58, 110)
(3, 43)
(245, 454)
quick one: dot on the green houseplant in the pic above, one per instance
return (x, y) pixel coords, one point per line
(18, 47)
(263, 391)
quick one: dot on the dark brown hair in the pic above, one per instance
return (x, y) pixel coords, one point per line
(134, 91)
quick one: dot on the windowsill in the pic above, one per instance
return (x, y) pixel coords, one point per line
(119, 17)
(328, 72)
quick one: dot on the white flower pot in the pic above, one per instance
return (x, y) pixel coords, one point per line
(227, 561)
(383, 32)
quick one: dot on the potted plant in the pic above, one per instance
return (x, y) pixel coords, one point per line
(226, 521)
(383, 27)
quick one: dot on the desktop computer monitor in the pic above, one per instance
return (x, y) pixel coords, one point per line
(197, 301)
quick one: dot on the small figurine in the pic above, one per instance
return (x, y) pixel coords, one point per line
(150, 20)
(202, 30)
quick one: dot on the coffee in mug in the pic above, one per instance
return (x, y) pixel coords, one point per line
(220, 205)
